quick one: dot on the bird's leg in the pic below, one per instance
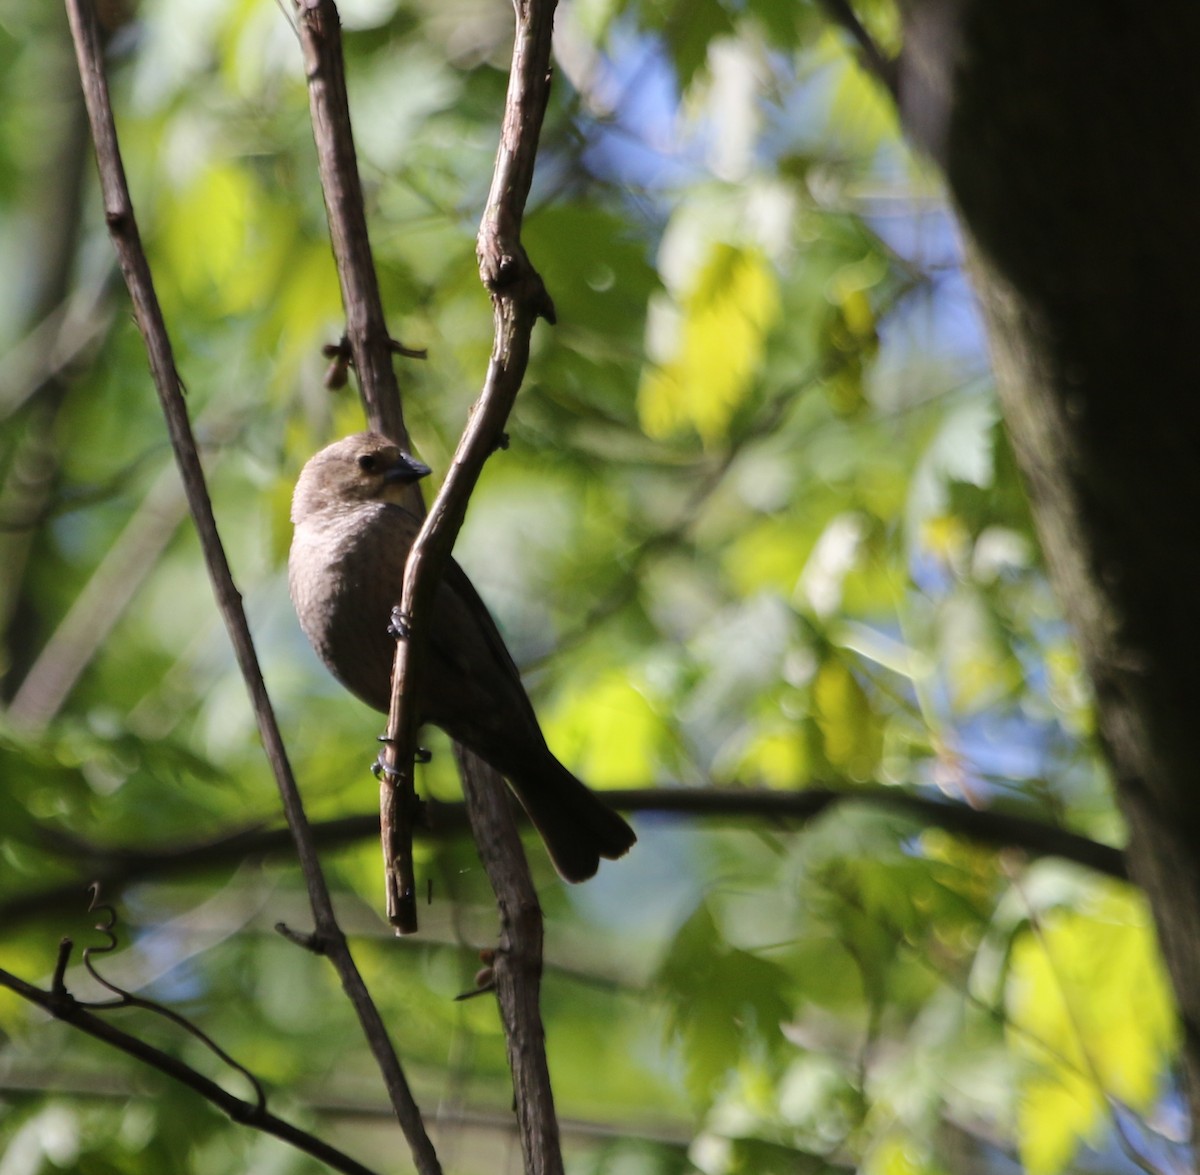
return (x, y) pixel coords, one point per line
(399, 626)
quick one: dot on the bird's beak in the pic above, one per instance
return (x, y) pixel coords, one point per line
(406, 470)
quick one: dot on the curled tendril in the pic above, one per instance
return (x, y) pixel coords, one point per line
(126, 999)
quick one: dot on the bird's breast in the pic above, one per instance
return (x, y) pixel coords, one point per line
(345, 575)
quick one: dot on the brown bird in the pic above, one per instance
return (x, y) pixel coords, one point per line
(351, 541)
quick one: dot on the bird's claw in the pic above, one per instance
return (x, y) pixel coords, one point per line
(380, 768)
(399, 625)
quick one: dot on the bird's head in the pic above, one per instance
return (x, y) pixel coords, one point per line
(365, 467)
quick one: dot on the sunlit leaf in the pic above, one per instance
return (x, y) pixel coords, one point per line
(725, 316)
(608, 731)
(1090, 1010)
(852, 733)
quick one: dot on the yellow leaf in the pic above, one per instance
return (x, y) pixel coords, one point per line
(853, 737)
(206, 234)
(606, 731)
(1089, 1009)
(726, 316)
(770, 553)
(896, 1155)
(860, 114)
(945, 536)
(777, 758)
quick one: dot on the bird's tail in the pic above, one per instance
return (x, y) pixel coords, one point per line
(577, 826)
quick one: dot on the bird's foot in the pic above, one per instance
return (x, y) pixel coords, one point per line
(399, 626)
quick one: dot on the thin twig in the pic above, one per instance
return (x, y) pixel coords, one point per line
(62, 1006)
(127, 999)
(873, 57)
(119, 214)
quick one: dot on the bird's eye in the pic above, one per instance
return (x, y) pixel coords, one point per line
(367, 463)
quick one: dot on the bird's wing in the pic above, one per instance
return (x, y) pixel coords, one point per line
(475, 684)
(456, 582)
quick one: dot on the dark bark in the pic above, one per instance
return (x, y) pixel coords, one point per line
(116, 866)
(1068, 132)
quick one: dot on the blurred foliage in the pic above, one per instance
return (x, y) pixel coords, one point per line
(758, 525)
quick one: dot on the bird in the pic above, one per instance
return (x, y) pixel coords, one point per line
(351, 539)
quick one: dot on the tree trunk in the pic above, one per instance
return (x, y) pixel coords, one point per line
(1069, 131)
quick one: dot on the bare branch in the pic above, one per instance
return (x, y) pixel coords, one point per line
(116, 866)
(517, 967)
(519, 298)
(371, 350)
(123, 229)
(371, 347)
(54, 344)
(63, 1006)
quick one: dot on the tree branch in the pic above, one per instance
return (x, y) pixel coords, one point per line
(123, 229)
(100, 605)
(519, 298)
(372, 351)
(63, 1006)
(116, 866)
(367, 335)
(518, 962)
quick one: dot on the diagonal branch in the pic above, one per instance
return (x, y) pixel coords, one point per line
(100, 605)
(119, 214)
(62, 1006)
(842, 13)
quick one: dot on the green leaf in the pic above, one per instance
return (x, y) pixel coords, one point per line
(723, 1001)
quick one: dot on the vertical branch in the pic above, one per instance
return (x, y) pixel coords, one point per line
(373, 350)
(518, 963)
(119, 214)
(366, 328)
(519, 298)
